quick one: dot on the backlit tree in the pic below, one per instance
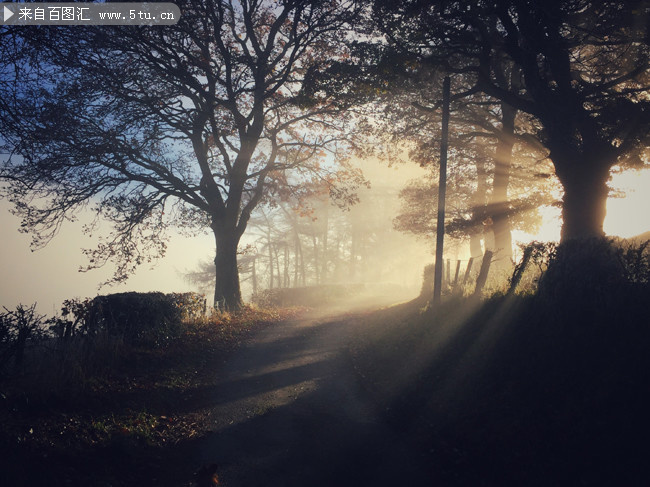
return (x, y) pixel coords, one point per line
(190, 125)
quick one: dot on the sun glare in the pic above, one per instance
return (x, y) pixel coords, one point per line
(628, 212)
(629, 216)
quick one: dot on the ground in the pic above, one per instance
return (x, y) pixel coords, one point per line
(281, 405)
(498, 392)
(290, 411)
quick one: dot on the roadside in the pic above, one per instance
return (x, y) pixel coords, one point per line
(511, 391)
(272, 401)
(136, 423)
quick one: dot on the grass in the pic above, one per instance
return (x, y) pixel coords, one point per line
(517, 390)
(117, 415)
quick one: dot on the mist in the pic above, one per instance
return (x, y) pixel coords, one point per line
(318, 241)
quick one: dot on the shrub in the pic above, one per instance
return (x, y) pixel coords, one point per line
(74, 315)
(138, 318)
(192, 305)
(536, 257)
(596, 281)
(635, 259)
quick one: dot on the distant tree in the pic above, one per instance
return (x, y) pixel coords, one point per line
(583, 78)
(464, 220)
(494, 172)
(17, 327)
(400, 119)
(190, 125)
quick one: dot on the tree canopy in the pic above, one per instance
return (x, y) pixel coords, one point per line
(583, 77)
(189, 125)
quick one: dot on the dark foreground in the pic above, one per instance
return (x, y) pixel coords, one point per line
(510, 393)
(283, 407)
(108, 413)
(517, 390)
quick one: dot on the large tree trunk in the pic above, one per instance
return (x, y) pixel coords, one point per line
(499, 205)
(479, 200)
(227, 293)
(584, 204)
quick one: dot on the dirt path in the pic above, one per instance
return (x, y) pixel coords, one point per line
(289, 411)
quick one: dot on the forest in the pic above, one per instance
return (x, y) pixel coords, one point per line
(368, 313)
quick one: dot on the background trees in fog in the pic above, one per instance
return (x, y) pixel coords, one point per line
(297, 244)
(256, 105)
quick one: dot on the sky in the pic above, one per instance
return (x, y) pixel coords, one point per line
(50, 275)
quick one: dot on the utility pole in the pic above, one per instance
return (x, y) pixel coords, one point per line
(442, 190)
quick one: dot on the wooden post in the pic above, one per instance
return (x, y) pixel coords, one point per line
(455, 285)
(519, 269)
(468, 270)
(483, 273)
(448, 277)
(442, 190)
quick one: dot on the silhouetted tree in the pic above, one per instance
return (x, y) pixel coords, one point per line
(190, 125)
(584, 78)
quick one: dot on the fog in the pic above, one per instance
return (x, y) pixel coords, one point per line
(384, 256)
(321, 241)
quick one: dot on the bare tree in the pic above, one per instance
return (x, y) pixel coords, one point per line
(190, 125)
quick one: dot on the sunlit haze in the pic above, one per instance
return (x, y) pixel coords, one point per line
(629, 216)
(50, 275)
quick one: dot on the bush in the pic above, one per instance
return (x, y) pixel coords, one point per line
(74, 315)
(635, 259)
(595, 281)
(138, 318)
(536, 257)
(148, 319)
(192, 305)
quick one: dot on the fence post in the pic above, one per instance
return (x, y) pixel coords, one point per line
(519, 270)
(455, 286)
(483, 273)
